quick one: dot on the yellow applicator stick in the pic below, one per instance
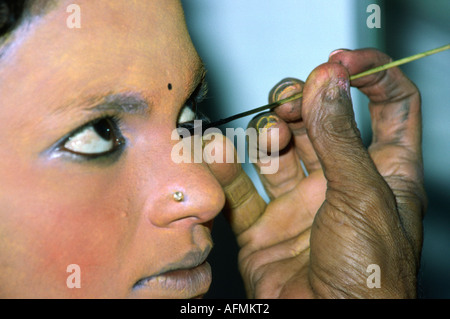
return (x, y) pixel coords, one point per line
(353, 77)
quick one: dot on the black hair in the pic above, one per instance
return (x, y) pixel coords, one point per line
(11, 12)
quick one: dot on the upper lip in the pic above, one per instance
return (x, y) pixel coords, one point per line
(191, 260)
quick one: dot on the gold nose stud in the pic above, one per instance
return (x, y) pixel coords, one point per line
(178, 196)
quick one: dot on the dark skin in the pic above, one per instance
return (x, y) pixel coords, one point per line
(355, 207)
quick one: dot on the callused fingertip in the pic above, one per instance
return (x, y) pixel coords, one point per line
(323, 75)
(332, 79)
(338, 87)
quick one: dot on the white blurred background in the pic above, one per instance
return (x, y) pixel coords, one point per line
(250, 45)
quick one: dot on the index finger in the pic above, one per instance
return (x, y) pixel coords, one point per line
(394, 100)
(396, 149)
(244, 205)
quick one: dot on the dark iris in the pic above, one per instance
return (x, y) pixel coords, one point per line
(108, 129)
(104, 128)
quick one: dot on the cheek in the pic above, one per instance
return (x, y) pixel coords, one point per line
(88, 236)
(48, 226)
(85, 234)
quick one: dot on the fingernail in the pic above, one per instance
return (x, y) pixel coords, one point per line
(266, 122)
(282, 92)
(337, 51)
(282, 89)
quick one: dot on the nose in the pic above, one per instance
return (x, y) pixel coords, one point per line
(187, 193)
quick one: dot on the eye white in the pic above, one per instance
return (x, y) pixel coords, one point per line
(186, 115)
(88, 141)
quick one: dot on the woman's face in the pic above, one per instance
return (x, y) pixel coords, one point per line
(86, 176)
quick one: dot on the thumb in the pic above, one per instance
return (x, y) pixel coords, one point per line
(358, 224)
(331, 126)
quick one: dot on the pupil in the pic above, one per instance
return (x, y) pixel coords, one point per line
(103, 128)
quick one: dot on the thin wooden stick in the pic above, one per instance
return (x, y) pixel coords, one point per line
(353, 77)
(400, 62)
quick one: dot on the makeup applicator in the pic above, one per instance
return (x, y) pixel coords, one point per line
(300, 94)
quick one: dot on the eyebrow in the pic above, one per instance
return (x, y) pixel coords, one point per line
(130, 102)
(126, 102)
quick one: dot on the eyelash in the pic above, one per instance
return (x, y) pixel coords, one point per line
(196, 98)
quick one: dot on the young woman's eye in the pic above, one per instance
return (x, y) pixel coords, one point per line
(189, 113)
(186, 115)
(188, 118)
(95, 139)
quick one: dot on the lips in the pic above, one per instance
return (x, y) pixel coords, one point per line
(181, 283)
(188, 278)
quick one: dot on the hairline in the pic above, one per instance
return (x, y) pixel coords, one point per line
(33, 9)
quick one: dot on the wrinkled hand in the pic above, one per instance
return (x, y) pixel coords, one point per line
(353, 207)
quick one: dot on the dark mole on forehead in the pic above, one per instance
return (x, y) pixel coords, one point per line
(169, 86)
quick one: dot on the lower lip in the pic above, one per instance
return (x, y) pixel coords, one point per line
(182, 283)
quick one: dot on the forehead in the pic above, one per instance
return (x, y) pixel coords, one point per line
(122, 45)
